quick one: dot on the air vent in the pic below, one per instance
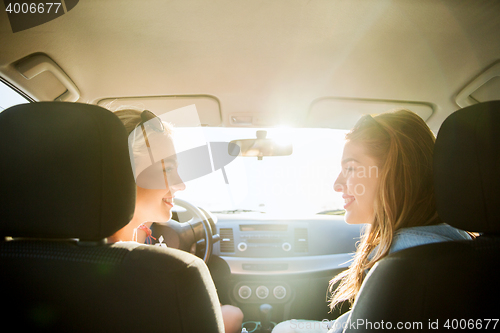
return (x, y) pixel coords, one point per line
(226, 240)
(301, 242)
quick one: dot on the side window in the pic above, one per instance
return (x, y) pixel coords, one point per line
(9, 97)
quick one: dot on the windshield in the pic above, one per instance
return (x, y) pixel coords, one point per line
(301, 183)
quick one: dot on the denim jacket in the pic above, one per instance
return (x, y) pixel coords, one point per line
(410, 237)
(414, 236)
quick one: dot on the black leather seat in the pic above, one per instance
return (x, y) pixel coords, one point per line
(451, 285)
(67, 184)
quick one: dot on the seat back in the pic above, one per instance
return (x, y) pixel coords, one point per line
(452, 284)
(67, 184)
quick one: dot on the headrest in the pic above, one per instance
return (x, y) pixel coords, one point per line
(65, 172)
(467, 168)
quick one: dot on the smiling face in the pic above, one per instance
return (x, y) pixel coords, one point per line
(155, 205)
(157, 179)
(152, 205)
(358, 181)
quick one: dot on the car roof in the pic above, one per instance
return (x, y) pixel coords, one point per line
(266, 57)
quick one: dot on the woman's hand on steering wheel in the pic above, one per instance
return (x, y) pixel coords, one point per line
(182, 235)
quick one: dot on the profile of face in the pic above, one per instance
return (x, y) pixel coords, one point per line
(154, 203)
(358, 182)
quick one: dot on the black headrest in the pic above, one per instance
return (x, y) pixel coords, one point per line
(65, 172)
(467, 168)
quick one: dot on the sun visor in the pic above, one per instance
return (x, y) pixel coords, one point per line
(343, 113)
(161, 159)
(208, 107)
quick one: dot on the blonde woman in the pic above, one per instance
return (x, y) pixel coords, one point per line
(386, 182)
(154, 204)
(151, 204)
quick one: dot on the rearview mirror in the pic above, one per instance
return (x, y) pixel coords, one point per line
(260, 147)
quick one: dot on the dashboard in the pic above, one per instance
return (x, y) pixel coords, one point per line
(281, 262)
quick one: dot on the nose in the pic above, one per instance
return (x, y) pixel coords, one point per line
(179, 186)
(339, 184)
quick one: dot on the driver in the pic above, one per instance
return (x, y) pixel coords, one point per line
(151, 204)
(154, 204)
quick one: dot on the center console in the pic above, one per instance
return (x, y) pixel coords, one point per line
(283, 263)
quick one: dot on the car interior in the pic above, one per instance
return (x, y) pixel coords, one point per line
(260, 96)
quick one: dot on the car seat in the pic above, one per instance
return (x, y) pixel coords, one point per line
(67, 184)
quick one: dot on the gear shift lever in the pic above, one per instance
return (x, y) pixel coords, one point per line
(265, 317)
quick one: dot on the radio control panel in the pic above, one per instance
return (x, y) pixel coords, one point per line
(264, 240)
(246, 237)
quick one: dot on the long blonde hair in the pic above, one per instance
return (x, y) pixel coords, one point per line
(403, 145)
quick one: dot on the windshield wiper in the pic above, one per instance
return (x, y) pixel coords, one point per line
(332, 212)
(237, 211)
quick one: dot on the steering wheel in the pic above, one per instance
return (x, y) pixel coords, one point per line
(182, 235)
